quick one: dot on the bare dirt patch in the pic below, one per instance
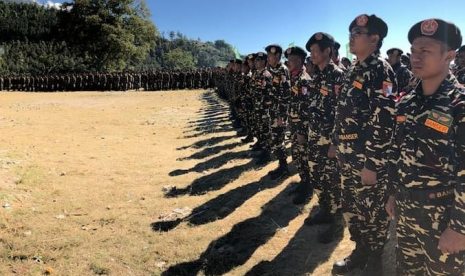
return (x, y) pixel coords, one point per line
(85, 181)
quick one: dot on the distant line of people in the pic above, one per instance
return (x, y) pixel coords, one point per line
(95, 81)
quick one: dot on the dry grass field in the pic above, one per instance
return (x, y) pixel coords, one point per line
(83, 191)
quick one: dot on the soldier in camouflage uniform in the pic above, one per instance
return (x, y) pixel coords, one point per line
(262, 105)
(324, 172)
(298, 112)
(427, 168)
(403, 74)
(279, 96)
(247, 101)
(364, 122)
(460, 65)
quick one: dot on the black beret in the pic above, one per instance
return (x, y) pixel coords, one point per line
(261, 55)
(231, 61)
(250, 56)
(404, 57)
(337, 46)
(437, 29)
(238, 61)
(274, 48)
(320, 38)
(461, 49)
(372, 23)
(394, 49)
(295, 50)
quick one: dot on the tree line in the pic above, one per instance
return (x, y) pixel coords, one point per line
(96, 36)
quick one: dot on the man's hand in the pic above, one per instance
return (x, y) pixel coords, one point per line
(332, 151)
(301, 139)
(391, 207)
(451, 242)
(368, 177)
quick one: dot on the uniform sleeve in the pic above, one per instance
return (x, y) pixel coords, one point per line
(304, 108)
(393, 154)
(457, 217)
(381, 122)
(284, 94)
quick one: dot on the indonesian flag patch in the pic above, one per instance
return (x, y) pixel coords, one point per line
(387, 88)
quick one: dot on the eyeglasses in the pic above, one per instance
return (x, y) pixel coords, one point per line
(355, 33)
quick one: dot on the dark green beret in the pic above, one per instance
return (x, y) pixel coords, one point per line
(238, 61)
(261, 55)
(394, 49)
(250, 56)
(274, 48)
(372, 23)
(295, 50)
(320, 37)
(337, 46)
(437, 29)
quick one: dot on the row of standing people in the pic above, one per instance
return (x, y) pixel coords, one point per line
(372, 141)
(123, 81)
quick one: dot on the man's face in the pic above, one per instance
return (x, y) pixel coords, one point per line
(427, 58)
(359, 41)
(294, 62)
(273, 59)
(394, 57)
(318, 56)
(460, 59)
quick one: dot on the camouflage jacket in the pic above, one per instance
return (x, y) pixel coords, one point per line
(263, 84)
(460, 74)
(323, 99)
(298, 102)
(364, 118)
(428, 144)
(403, 76)
(280, 92)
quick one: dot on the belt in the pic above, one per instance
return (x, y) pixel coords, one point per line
(426, 194)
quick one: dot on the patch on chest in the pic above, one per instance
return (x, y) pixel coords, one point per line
(439, 121)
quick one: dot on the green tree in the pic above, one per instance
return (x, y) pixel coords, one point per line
(178, 59)
(112, 35)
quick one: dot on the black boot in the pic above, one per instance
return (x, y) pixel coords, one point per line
(304, 192)
(322, 217)
(281, 170)
(374, 265)
(335, 230)
(264, 158)
(247, 139)
(357, 259)
(237, 123)
(241, 133)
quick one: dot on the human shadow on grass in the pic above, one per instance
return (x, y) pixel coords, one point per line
(219, 207)
(209, 119)
(301, 256)
(208, 142)
(237, 246)
(213, 163)
(211, 151)
(211, 182)
(209, 130)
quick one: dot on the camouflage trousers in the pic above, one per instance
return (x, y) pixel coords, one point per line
(419, 227)
(363, 205)
(263, 124)
(277, 137)
(299, 153)
(324, 173)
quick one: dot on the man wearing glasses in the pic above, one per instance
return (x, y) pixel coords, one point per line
(363, 127)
